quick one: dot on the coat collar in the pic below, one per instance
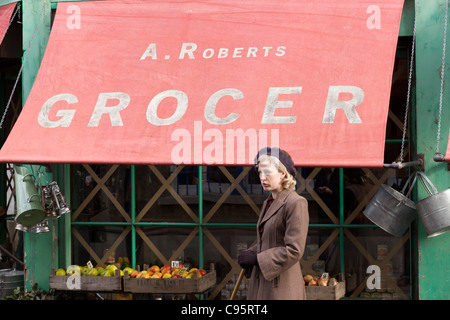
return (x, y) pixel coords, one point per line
(277, 203)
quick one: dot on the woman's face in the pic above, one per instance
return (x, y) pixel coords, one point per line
(270, 176)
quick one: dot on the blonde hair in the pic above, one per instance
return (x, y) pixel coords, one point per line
(288, 181)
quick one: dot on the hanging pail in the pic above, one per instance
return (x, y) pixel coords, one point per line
(22, 228)
(9, 281)
(28, 200)
(40, 227)
(434, 211)
(391, 210)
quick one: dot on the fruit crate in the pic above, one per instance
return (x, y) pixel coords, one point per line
(335, 292)
(85, 283)
(172, 285)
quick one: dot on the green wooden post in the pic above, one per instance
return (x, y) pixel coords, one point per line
(38, 248)
(434, 260)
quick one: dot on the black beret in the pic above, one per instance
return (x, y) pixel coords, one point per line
(282, 155)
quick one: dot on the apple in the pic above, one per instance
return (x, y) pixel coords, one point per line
(134, 273)
(195, 270)
(108, 273)
(175, 271)
(73, 269)
(140, 274)
(84, 271)
(60, 272)
(176, 276)
(154, 268)
(166, 269)
(92, 272)
(157, 275)
(167, 275)
(111, 267)
(128, 270)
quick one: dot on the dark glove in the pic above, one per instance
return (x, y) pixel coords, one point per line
(247, 259)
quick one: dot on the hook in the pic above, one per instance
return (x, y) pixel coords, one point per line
(438, 157)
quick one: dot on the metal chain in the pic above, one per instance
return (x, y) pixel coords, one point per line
(10, 22)
(21, 68)
(12, 18)
(411, 64)
(442, 79)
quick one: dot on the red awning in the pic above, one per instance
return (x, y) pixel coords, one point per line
(210, 82)
(5, 16)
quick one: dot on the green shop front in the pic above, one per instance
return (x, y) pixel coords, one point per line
(133, 197)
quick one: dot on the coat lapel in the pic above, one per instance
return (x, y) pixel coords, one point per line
(278, 202)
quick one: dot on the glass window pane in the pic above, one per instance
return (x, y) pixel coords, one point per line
(100, 193)
(366, 247)
(100, 244)
(166, 194)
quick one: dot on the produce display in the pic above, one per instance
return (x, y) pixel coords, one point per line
(166, 272)
(122, 277)
(322, 281)
(155, 271)
(108, 271)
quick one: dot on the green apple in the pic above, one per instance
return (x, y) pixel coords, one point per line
(73, 269)
(60, 272)
(92, 272)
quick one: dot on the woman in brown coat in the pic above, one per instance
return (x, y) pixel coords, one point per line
(281, 233)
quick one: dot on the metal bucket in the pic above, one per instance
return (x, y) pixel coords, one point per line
(28, 200)
(40, 227)
(391, 210)
(434, 211)
(9, 281)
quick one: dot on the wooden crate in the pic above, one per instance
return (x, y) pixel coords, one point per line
(85, 283)
(180, 285)
(335, 292)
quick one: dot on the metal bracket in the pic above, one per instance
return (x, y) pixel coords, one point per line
(420, 162)
(438, 157)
